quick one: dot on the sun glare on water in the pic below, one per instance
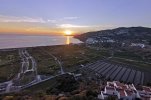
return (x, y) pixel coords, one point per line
(68, 32)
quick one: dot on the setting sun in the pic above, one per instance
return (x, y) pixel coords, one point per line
(68, 32)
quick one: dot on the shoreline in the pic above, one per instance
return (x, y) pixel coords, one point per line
(10, 49)
(1, 49)
(34, 41)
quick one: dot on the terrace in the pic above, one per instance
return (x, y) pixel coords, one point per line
(118, 72)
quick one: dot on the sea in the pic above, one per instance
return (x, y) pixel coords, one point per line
(18, 41)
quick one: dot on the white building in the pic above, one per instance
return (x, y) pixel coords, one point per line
(120, 90)
(91, 41)
(137, 45)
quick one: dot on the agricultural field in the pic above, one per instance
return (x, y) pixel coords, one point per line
(46, 65)
(140, 65)
(9, 64)
(119, 72)
(70, 56)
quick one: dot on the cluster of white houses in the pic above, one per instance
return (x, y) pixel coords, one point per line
(108, 40)
(103, 40)
(141, 45)
(125, 91)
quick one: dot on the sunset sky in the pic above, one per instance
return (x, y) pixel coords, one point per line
(56, 16)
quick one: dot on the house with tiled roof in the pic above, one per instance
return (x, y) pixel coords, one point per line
(125, 91)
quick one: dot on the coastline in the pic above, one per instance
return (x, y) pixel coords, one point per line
(21, 41)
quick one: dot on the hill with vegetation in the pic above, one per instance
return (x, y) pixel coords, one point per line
(134, 34)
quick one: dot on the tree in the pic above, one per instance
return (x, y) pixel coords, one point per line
(91, 93)
(111, 98)
(78, 97)
(67, 83)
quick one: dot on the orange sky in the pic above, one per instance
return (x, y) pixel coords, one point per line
(33, 25)
(40, 28)
(56, 16)
(29, 28)
(36, 28)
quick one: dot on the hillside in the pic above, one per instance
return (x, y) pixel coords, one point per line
(133, 34)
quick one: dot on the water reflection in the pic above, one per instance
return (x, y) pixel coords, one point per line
(68, 40)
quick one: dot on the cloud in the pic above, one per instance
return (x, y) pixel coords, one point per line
(52, 21)
(62, 19)
(24, 19)
(8, 19)
(70, 18)
(71, 26)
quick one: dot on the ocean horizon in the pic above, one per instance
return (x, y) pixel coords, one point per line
(19, 41)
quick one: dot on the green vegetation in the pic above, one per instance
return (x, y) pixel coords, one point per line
(137, 64)
(67, 83)
(25, 78)
(132, 57)
(69, 55)
(43, 86)
(128, 55)
(63, 87)
(8, 71)
(46, 65)
(74, 55)
(9, 64)
(7, 57)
